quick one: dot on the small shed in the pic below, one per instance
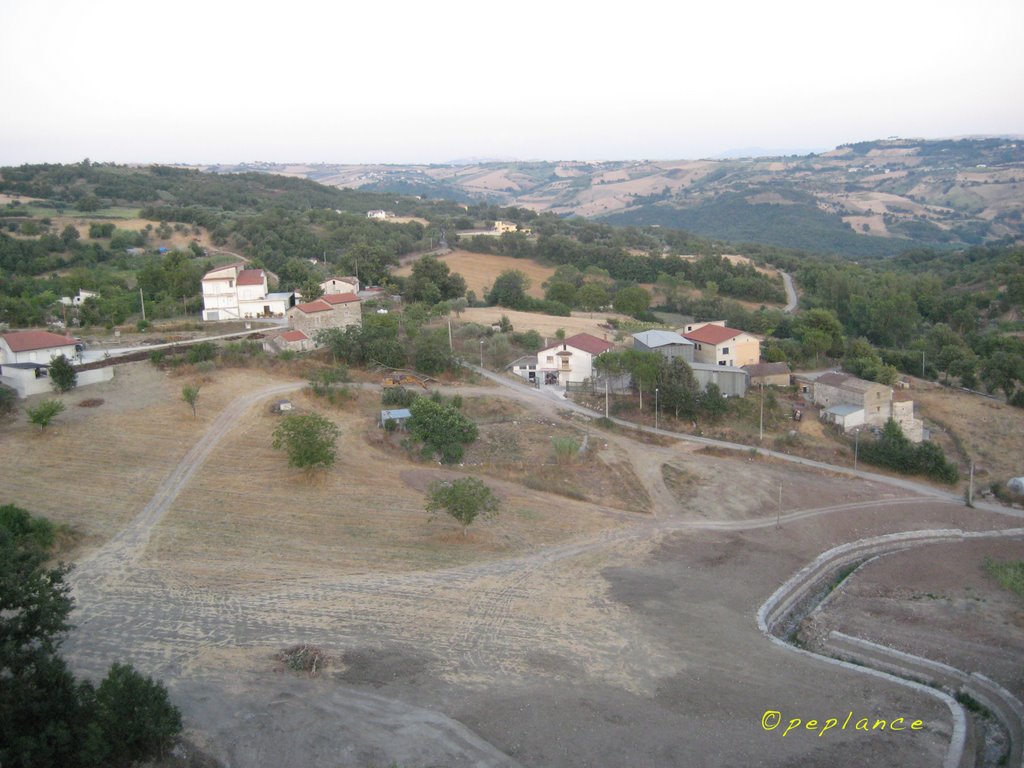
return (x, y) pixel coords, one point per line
(398, 415)
(844, 416)
(768, 374)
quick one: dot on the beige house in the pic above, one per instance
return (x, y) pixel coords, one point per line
(35, 347)
(346, 284)
(720, 345)
(571, 360)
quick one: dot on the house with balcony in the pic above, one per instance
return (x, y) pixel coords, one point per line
(571, 360)
(236, 293)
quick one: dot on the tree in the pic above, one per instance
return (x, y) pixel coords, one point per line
(45, 412)
(190, 394)
(69, 235)
(591, 297)
(632, 300)
(465, 499)
(509, 289)
(135, 715)
(713, 403)
(309, 440)
(7, 399)
(47, 718)
(441, 429)
(63, 376)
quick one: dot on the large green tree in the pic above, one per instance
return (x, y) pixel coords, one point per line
(309, 440)
(441, 428)
(63, 376)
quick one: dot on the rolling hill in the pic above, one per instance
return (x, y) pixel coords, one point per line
(873, 198)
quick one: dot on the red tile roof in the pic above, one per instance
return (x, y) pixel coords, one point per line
(314, 306)
(294, 336)
(26, 341)
(588, 343)
(250, 277)
(713, 334)
(340, 298)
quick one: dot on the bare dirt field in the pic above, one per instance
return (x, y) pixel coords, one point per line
(940, 603)
(563, 633)
(482, 269)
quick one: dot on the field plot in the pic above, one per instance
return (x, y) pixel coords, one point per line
(546, 325)
(93, 468)
(481, 270)
(249, 517)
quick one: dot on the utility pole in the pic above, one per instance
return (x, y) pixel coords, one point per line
(481, 353)
(778, 513)
(970, 488)
(143, 300)
(760, 437)
(856, 446)
(606, 397)
(922, 363)
(655, 407)
(451, 347)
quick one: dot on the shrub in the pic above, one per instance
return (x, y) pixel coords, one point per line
(63, 376)
(565, 448)
(397, 397)
(135, 716)
(8, 397)
(201, 352)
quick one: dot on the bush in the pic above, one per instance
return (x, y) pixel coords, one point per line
(201, 352)
(565, 448)
(8, 397)
(63, 376)
(397, 397)
(894, 451)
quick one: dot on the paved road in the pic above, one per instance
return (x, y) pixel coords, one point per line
(791, 297)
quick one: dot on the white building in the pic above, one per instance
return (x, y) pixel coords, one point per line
(571, 360)
(376, 214)
(234, 293)
(35, 347)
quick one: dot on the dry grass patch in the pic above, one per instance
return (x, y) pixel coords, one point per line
(991, 432)
(481, 270)
(546, 325)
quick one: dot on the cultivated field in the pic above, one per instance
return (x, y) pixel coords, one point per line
(546, 325)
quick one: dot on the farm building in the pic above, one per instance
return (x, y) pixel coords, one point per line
(525, 368)
(571, 360)
(876, 400)
(768, 374)
(287, 341)
(731, 381)
(668, 344)
(331, 311)
(397, 415)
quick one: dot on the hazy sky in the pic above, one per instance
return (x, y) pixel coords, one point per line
(402, 82)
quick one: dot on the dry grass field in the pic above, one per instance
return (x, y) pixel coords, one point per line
(248, 517)
(94, 468)
(991, 431)
(546, 325)
(481, 269)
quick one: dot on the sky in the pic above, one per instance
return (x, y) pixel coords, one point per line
(418, 82)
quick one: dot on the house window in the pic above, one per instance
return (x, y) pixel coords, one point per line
(725, 350)
(231, 283)
(551, 359)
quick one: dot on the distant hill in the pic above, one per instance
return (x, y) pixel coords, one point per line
(871, 198)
